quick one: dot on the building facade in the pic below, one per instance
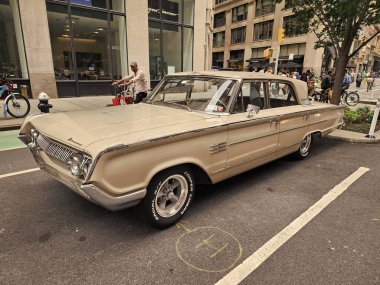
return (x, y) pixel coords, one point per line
(243, 29)
(78, 47)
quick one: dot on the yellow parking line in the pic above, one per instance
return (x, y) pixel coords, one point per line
(239, 273)
(18, 172)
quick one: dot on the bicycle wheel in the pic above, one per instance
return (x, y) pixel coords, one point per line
(17, 106)
(352, 98)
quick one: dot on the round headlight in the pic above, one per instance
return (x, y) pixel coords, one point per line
(74, 163)
(33, 134)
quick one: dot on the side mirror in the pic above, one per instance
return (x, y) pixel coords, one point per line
(252, 110)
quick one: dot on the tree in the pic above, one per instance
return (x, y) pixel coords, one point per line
(337, 23)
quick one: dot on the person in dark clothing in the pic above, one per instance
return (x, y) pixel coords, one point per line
(358, 80)
(327, 83)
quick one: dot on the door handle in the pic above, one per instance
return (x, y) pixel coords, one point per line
(275, 122)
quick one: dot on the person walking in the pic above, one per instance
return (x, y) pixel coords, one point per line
(358, 80)
(137, 77)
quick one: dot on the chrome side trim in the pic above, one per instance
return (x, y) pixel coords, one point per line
(112, 203)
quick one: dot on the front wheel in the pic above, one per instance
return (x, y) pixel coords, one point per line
(17, 106)
(304, 148)
(352, 99)
(169, 194)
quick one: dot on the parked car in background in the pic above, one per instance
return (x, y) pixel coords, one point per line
(197, 127)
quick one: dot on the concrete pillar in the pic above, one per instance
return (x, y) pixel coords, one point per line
(202, 56)
(138, 35)
(38, 47)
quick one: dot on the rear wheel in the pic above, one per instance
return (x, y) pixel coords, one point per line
(304, 148)
(168, 197)
(17, 106)
(352, 98)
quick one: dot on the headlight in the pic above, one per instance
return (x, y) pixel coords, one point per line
(74, 163)
(78, 164)
(33, 138)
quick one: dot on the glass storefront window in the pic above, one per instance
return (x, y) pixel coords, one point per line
(170, 45)
(12, 52)
(117, 5)
(118, 46)
(90, 31)
(171, 48)
(91, 3)
(171, 10)
(168, 10)
(87, 44)
(188, 40)
(59, 28)
(154, 9)
(155, 59)
(188, 17)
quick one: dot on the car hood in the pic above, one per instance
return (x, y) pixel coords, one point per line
(126, 124)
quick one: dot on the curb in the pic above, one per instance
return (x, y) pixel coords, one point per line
(353, 137)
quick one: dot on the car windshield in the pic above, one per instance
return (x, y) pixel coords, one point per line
(198, 94)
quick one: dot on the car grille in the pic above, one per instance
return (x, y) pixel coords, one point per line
(55, 149)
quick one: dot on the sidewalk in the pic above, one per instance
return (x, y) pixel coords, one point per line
(94, 102)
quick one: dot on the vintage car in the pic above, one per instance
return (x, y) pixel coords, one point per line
(198, 127)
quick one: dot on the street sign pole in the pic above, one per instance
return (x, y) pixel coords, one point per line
(277, 56)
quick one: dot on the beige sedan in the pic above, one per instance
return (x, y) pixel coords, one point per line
(194, 128)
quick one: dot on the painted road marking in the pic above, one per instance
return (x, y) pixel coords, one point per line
(18, 172)
(9, 140)
(208, 249)
(12, 148)
(245, 268)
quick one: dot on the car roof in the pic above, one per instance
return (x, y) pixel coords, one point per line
(299, 85)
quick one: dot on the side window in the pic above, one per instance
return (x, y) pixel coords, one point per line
(252, 92)
(281, 94)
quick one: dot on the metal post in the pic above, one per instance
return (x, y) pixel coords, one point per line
(277, 56)
(374, 120)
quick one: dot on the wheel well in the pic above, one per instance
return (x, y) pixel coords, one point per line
(200, 176)
(318, 134)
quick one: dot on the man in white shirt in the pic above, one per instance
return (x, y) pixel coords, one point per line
(137, 77)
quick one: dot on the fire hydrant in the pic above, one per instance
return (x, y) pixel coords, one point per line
(44, 105)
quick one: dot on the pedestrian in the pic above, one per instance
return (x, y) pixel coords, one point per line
(326, 85)
(358, 80)
(304, 77)
(137, 77)
(346, 80)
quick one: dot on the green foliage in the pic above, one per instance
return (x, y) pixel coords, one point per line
(334, 21)
(361, 115)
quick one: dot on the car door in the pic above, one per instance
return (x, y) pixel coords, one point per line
(293, 121)
(252, 140)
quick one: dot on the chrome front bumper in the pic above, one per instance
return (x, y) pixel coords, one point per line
(89, 191)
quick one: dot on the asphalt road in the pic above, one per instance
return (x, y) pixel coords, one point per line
(50, 235)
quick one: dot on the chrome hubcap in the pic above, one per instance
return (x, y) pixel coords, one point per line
(171, 196)
(305, 145)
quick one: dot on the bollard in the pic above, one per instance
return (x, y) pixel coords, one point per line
(44, 105)
(5, 109)
(374, 120)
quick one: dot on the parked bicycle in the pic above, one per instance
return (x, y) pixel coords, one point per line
(350, 98)
(15, 104)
